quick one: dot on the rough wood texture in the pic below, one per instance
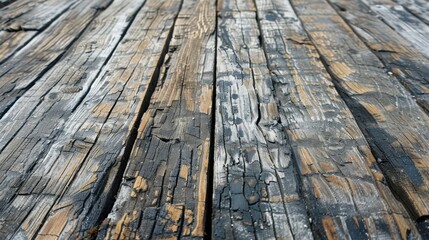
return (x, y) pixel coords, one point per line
(126, 81)
(406, 24)
(33, 173)
(21, 72)
(256, 192)
(163, 193)
(399, 55)
(419, 8)
(223, 119)
(32, 15)
(378, 101)
(344, 189)
(11, 42)
(4, 3)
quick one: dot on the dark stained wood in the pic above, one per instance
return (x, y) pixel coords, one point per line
(34, 130)
(256, 192)
(399, 55)
(23, 70)
(163, 193)
(419, 8)
(344, 190)
(396, 128)
(406, 24)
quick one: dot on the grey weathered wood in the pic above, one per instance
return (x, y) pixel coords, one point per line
(4, 3)
(395, 126)
(115, 108)
(406, 24)
(35, 126)
(163, 193)
(399, 55)
(256, 192)
(344, 190)
(19, 22)
(32, 15)
(419, 8)
(11, 42)
(19, 73)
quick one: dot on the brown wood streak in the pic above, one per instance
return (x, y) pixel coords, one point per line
(345, 193)
(37, 128)
(396, 128)
(256, 195)
(398, 54)
(171, 152)
(10, 42)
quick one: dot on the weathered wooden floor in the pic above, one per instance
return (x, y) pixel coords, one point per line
(222, 119)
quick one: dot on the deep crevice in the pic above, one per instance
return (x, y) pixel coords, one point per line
(4, 4)
(210, 168)
(362, 117)
(117, 180)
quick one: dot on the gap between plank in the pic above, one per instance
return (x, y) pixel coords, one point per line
(56, 60)
(210, 167)
(133, 135)
(421, 223)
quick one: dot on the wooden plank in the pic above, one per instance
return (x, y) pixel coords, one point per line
(32, 127)
(101, 131)
(163, 192)
(24, 69)
(344, 190)
(32, 15)
(420, 8)
(20, 22)
(11, 42)
(394, 125)
(4, 3)
(406, 24)
(400, 56)
(235, 5)
(256, 192)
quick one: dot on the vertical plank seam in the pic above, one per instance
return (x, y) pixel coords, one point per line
(210, 167)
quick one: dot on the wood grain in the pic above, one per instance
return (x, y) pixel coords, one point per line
(11, 42)
(163, 192)
(32, 15)
(406, 24)
(394, 125)
(34, 130)
(256, 191)
(419, 8)
(344, 190)
(399, 55)
(26, 67)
